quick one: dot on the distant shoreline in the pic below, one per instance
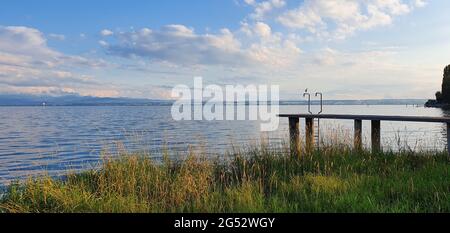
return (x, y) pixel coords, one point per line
(69, 101)
(167, 105)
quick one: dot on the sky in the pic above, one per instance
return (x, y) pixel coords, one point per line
(347, 49)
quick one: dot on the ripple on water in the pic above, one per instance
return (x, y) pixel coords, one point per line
(53, 140)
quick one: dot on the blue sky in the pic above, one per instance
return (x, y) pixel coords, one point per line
(72, 18)
(349, 49)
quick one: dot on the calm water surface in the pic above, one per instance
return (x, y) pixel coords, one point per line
(53, 140)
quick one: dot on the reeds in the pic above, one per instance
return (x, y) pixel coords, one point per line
(257, 179)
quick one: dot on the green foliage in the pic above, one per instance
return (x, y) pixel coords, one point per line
(336, 179)
(439, 97)
(446, 85)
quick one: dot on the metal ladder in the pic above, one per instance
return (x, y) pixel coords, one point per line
(316, 121)
(317, 132)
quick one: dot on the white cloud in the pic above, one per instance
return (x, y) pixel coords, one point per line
(270, 48)
(264, 7)
(28, 65)
(326, 57)
(394, 7)
(24, 41)
(178, 44)
(106, 32)
(341, 18)
(103, 43)
(57, 36)
(263, 30)
(420, 3)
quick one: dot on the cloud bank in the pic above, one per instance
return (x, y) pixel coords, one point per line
(181, 45)
(28, 65)
(341, 18)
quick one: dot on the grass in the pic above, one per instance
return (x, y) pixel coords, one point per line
(335, 179)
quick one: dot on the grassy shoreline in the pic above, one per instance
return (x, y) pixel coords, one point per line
(336, 179)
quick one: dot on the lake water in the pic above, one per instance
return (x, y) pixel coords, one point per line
(53, 140)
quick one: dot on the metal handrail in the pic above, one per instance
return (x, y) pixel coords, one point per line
(309, 101)
(310, 112)
(321, 101)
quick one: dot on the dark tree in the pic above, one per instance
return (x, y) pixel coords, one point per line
(439, 97)
(446, 85)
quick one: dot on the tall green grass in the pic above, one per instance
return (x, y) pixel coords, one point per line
(259, 179)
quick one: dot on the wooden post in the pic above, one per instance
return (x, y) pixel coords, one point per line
(358, 134)
(294, 135)
(309, 130)
(448, 138)
(376, 136)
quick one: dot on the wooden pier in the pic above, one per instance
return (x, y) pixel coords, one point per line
(294, 128)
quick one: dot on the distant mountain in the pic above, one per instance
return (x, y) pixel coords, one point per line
(76, 100)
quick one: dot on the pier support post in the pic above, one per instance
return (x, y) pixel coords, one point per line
(309, 130)
(376, 136)
(294, 135)
(358, 135)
